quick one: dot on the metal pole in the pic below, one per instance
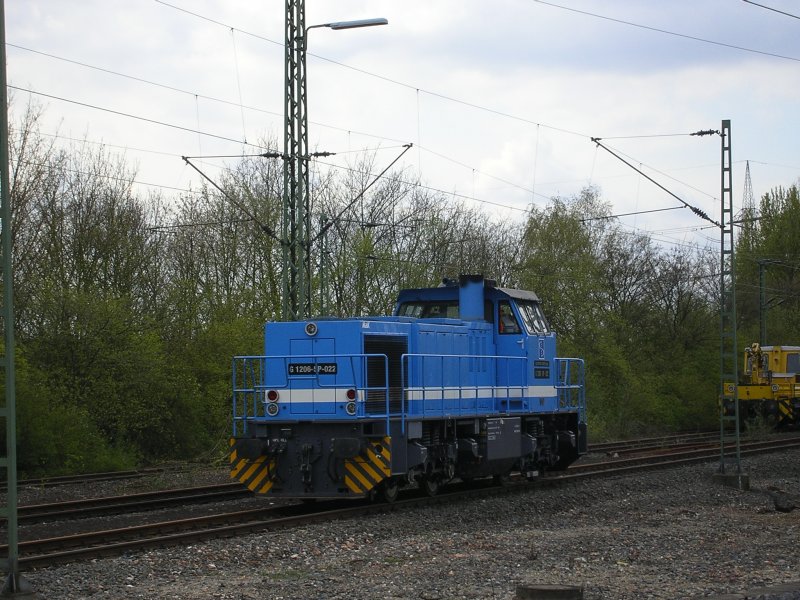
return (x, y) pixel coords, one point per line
(323, 250)
(728, 353)
(295, 167)
(762, 303)
(14, 583)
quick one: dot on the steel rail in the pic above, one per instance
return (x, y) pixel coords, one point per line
(653, 442)
(132, 502)
(47, 482)
(38, 553)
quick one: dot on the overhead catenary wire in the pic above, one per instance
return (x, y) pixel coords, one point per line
(238, 84)
(331, 165)
(772, 9)
(198, 224)
(136, 117)
(694, 209)
(645, 136)
(197, 95)
(628, 214)
(109, 177)
(474, 170)
(437, 190)
(263, 226)
(397, 82)
(429, 188)
(199, 132)
(664, 31)
(667, 175)
(360, 195)
(440, 155)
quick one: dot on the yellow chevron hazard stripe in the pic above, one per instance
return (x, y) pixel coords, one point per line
(366, 484)
(785, 407)
(253, 472)
(369, 468)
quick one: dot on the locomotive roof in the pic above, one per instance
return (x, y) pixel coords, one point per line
(519, 294)
(451, 290)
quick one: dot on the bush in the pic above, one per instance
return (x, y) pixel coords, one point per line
(56, 437)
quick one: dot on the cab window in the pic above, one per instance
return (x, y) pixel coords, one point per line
(533, 317)
(793, 363)
(506, 321)
(429, 310)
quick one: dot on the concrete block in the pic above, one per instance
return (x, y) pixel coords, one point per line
(549, 592)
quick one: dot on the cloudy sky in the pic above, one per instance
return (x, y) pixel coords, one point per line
(500, 99)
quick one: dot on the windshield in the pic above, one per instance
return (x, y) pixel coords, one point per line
(533, 317)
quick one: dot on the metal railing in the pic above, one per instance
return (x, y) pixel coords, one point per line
(254, 376)
(457, 378)
(570, 385)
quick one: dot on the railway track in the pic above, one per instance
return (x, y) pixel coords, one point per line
(93, 507)
(668, 457)
(605, 447)
(643, 444)
(44, 552)
(48, 482)
(149, 501)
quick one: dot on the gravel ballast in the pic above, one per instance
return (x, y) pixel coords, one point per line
(671, 533)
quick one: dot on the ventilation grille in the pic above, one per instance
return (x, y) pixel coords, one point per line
(393, 346)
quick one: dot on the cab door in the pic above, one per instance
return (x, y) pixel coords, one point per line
(512, 357)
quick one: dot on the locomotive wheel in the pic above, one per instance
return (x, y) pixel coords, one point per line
(430, 486)
(389, 490)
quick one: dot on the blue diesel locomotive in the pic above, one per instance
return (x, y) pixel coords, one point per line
(462, 381)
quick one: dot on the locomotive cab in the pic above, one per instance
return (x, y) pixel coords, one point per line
(461, 381)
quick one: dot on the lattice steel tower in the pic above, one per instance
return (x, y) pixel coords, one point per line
(729, 374)
(296, 284)
(748, 202)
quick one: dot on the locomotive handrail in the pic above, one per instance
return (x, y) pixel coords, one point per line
(571, 383)
(254, 378)
(255, 374)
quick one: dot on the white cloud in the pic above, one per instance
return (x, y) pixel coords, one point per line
(548, 65)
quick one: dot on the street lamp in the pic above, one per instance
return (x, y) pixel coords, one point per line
(296, 280)
(353, 24)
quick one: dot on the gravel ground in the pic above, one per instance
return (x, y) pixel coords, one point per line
(667, 534)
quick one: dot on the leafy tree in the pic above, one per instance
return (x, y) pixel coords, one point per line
(635, 313)
(770, 241)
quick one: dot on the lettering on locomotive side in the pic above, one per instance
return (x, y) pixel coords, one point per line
(541, 369)
(313, 368)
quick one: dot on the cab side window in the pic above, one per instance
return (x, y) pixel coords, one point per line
(506, 321)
